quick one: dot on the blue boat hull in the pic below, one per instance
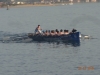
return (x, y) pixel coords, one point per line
(72, 37)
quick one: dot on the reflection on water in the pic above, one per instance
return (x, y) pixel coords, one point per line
(58, 44)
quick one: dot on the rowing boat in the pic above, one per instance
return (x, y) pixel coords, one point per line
(72, 37)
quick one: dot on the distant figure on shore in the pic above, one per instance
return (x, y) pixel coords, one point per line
(38, 29)
(7, 7)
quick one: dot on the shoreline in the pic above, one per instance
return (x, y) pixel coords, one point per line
(34, 5)
(29, 5)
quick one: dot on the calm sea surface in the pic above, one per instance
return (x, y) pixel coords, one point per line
(29, 58)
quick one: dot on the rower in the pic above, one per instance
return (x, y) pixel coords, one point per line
(74, 30)
(61, 32)
(38, 29)
(46, 33)
(56, 31)
(66, 32)
(52, 33)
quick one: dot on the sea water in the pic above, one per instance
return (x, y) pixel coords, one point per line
(24, 57)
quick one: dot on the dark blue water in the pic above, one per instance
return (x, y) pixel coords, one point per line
(20, 56)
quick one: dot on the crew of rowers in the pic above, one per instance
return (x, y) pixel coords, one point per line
(55, 32)
(38, 30)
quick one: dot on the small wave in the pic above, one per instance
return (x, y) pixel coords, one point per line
(83, 36)
(15, 38)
